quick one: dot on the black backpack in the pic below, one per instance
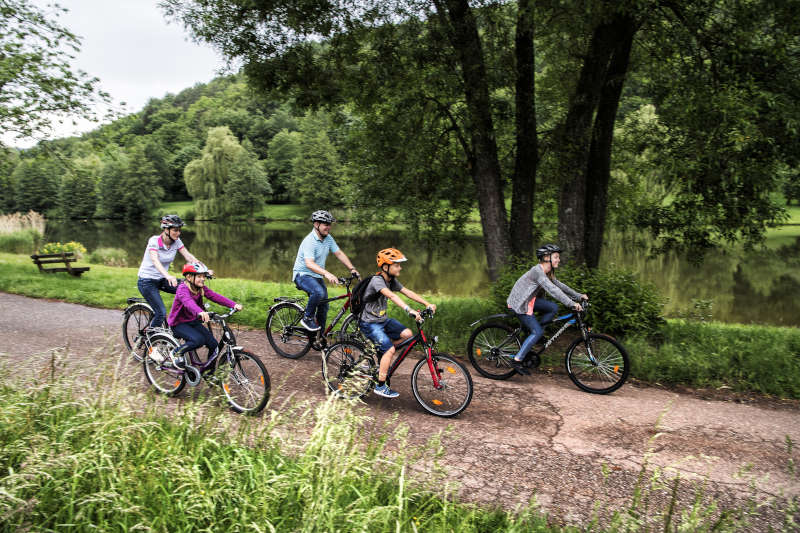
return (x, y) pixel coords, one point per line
(357, 300)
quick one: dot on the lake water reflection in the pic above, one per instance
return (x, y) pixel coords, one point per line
(757, 287)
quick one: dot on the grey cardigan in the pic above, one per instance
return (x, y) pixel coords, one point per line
(530, 285)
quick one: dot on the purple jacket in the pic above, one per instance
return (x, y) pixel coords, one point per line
(188, 306)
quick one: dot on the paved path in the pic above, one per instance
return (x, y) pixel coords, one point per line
(527, 436)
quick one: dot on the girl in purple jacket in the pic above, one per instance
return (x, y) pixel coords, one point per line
(187, 316)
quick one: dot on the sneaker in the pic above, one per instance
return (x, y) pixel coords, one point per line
(309, 323)
(517, 365)
(385, 391)
(155, 355)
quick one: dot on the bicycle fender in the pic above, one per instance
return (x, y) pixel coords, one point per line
(290, 299)
(491, 317)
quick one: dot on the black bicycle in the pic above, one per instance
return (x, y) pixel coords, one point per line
(441, 385)
(595, 362)
(241, 375)
(289, 339)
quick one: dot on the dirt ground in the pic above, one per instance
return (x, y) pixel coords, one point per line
(529, 437)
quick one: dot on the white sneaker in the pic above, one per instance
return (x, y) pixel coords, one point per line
(156, 355)
(385, 391)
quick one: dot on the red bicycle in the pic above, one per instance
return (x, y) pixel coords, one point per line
(441, 385)
(289, 339)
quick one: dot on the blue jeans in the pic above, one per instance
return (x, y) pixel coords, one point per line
(549, 310)
(317, 291)
(149, 289)
(382, 333)
(195, 335)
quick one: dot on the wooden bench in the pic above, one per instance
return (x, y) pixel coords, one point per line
(64, 258)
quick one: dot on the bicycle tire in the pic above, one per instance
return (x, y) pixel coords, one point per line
(490, 347)
(349, 329)
(348, 370)
(163, 376)
(454, 393)
(137, 318)
(286, 342)
(610, 371)
(246, 382)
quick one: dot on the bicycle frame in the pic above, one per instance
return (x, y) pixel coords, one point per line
(227, 341)
(406, 346)
(347, 282)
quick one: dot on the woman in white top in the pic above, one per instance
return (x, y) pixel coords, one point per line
(154, 273)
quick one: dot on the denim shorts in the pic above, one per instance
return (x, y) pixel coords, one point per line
(382, 333)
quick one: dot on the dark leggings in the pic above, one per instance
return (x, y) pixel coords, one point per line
(196, 335)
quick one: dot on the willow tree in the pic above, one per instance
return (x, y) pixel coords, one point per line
(225, 178)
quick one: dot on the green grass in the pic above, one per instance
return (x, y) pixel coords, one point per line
(112, 461)
(747, 358)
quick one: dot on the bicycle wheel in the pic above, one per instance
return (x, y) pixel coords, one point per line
(606, 373)
(283, 330)
(137, 318)
(347, 370)
(349, 330)
(489, 349)
(163, 376)
(455, 386)
(245, 381)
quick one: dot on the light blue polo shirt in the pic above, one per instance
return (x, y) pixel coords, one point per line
(315, 248)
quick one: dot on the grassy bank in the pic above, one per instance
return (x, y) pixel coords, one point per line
(760, 359)
(111, 461)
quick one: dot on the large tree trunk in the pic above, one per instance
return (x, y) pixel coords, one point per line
(576, 137)
(486, 169)
(527, 156)
(599, 168)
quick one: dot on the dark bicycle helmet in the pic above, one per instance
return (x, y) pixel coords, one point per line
(322, 216)
(546, 250)
(171, 221)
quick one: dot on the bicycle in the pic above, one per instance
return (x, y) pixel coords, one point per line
(595, 362)
(135, 319)
(241, 375)
(350, 370)
(289, 339)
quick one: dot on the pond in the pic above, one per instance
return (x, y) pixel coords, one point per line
(746, 287)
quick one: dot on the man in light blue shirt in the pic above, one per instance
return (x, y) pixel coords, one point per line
(309, 272)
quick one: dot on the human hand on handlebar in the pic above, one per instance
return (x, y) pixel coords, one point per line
(333, 280)
(204, 317)
(577, 306)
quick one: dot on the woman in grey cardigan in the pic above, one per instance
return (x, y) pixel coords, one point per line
(524, 298)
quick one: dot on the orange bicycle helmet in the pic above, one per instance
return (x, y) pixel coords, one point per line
(389, 256)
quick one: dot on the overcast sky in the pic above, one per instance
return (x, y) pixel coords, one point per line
(135, 53)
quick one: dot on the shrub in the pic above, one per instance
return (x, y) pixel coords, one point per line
(621, 304)
(20, 242)
(56, 248)
(109, 256)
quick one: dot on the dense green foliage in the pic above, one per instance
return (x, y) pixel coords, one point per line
(620, 303)
(760, 359)
(20, 242)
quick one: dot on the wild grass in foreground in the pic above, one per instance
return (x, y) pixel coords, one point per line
(110, 460)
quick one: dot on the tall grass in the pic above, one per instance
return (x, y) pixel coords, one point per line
(80, 457)
(764, 359)
(22, 221)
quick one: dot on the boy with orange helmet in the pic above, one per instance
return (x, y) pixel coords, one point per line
(387, 332)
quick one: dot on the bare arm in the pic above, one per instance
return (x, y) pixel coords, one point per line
(186, 255)
(417, 298)
(340, 255)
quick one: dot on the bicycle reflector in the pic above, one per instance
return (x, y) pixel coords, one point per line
(478, 351)
(437, 402)
(451, 369)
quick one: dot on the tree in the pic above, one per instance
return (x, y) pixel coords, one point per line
(37, 84)
(317, 178)
(224, 160)
(282, 150)
(9, 159)
(248, 186)
(129, 185)
(36, 184)
(76, 196)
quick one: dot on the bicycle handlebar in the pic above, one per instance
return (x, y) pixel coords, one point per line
(351, 277)
(216, 317)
